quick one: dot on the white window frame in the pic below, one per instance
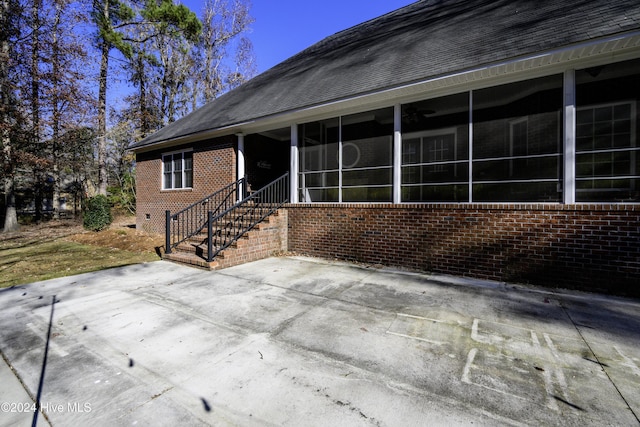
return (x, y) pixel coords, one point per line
(633, 149)
(423, 152)
(172, 156)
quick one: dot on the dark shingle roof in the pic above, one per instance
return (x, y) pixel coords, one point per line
(423, 40)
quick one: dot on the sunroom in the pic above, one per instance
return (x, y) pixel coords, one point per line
(569, 137)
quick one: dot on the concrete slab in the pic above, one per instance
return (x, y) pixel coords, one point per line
(299, 341)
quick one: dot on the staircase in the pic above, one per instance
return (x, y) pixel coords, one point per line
(216, 232)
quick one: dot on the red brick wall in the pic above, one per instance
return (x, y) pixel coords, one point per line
(214, 166)
(268, 240)
(591, 247)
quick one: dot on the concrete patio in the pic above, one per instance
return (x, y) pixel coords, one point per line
(297, 341)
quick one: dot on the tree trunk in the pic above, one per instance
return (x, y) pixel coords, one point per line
(55, 125)
(35, 105)
(145, 128)
(102, 110)
(8, 167)
(11, 216)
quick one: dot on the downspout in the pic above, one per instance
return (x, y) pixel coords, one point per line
(294, 165)
(569, 146)
(397, 154)
(241, 171)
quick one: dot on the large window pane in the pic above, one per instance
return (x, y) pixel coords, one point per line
(320, 179)
(366, 177)
(606, 133)
(517, 140)
(435, 149)
(436, 193)
(434, 174)
(367, 156)
(367, 194)
(188, 169)
(319, 194)
(364, 142)
(514, 191)
(319, 168)
(517, 168)
(167, 164)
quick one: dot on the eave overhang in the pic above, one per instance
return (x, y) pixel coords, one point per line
(591, 53)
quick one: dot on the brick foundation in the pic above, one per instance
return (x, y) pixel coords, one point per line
(589, 247)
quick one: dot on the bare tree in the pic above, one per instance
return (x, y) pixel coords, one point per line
(224, 23)
(174, 72)
(44, 95)
(245, 64)
(121, 163)
(67, 94)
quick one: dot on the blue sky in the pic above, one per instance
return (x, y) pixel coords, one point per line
(283, 28)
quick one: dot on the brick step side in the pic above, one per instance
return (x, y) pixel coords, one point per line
(198, 244)
(201, 239)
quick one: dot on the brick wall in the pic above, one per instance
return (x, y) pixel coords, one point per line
(590, 247)
(268, 239)
(214, 166)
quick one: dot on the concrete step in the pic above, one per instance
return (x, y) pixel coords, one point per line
(191, 259)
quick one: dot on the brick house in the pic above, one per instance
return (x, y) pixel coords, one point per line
(490, 139)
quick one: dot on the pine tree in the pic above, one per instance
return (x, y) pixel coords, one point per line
(9, 17)
(118, 27)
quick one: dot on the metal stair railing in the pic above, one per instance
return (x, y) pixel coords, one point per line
(228, 226)
(193, 219)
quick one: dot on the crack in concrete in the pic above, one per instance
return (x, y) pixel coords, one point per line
(24, 386)
(602, 365)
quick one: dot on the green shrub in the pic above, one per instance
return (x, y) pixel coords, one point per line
(97, 213)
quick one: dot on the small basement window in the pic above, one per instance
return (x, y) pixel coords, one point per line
(177, 170)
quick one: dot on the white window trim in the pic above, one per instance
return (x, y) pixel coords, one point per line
(172, 153)
(431, 133)
(632, 147)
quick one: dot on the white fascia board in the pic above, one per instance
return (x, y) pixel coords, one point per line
(200, 136)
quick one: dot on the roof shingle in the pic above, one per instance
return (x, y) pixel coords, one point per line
(423, 40)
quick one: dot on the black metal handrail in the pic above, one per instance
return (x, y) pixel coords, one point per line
(194, 218)
(228, 226)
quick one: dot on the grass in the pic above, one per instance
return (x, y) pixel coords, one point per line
(43, 252)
